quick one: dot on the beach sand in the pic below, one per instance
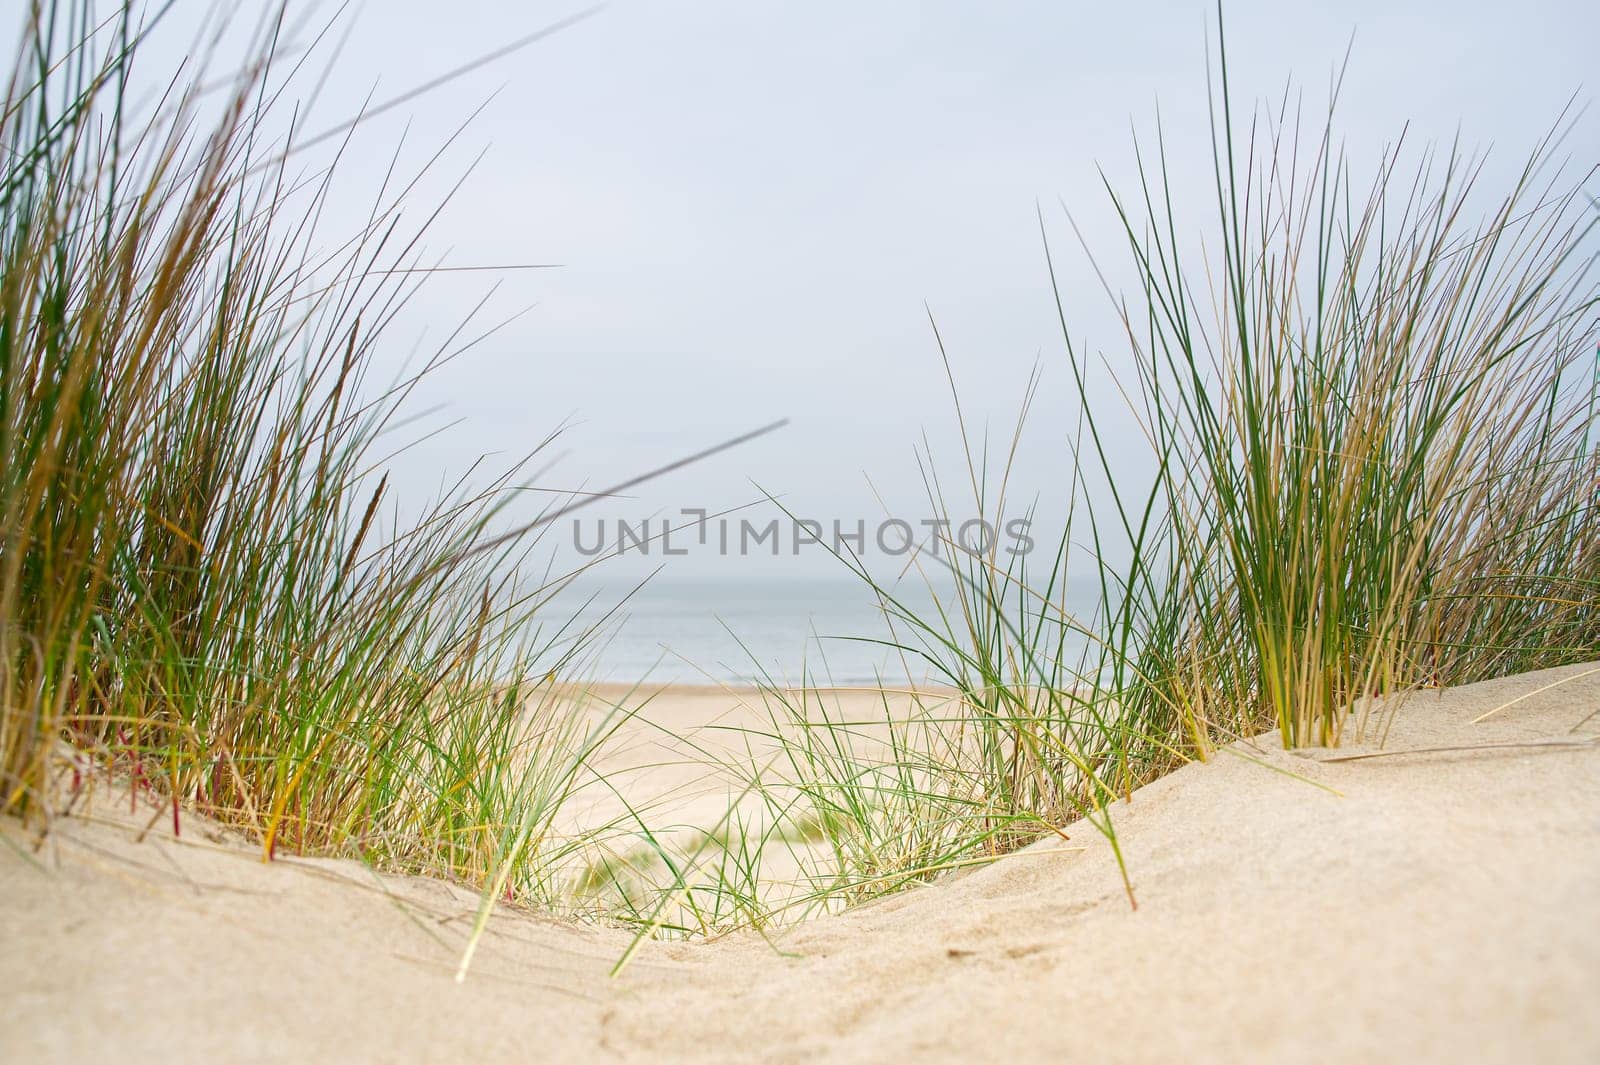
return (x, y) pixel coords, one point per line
(1440, 905)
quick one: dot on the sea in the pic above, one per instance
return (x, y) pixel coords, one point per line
(761, 628)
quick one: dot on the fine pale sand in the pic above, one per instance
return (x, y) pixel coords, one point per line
(1440, 905)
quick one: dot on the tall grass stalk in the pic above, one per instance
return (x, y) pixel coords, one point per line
(204, 581)
(1371, 465)
(1370, 420)
(1372, 431)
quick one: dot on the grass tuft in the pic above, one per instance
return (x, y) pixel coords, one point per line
(205, 581)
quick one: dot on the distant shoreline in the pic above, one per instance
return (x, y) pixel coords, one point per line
(613, 690)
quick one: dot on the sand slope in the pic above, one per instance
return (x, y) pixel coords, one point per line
(1441, 906)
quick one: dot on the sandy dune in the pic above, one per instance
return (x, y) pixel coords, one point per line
(1440, 906)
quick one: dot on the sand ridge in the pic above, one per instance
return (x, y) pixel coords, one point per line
(1436, 906)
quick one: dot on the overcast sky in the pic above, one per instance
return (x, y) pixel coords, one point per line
(752, 202)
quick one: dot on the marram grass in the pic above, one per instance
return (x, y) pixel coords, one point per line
(1369, 406)
(1374, 465)
(204, 583)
